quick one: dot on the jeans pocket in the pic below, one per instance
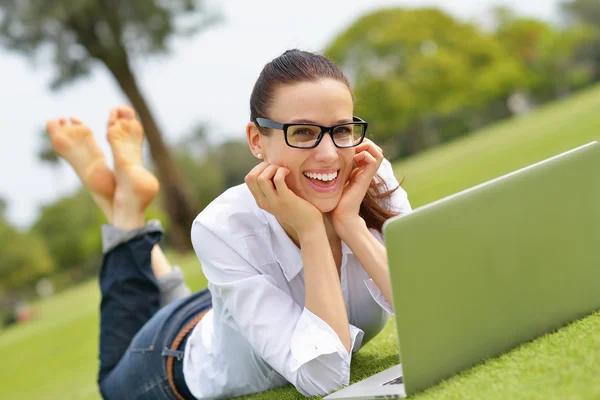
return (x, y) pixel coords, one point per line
(143, 346)
(149, 338)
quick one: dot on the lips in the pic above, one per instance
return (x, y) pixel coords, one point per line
(325, 177)
(322, 182)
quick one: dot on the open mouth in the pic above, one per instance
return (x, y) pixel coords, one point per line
(322, 182)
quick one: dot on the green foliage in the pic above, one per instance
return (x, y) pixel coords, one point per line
(548, 53)
(80, 32)
(24, 257)
(586, 12)
(483, 155)
(71, 229)
(235, 160)
(582, 11)
(210, 170)
(409, 67)
(204, 179)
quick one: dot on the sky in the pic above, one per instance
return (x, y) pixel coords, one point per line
(206, 79)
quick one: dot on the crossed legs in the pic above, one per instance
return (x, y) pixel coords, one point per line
(136, 278)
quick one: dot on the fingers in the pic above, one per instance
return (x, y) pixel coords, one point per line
(279, 181)
(368, 157)
(366, 168)
(372, 148)
(252, 182)
(265, 182)
(365, 158)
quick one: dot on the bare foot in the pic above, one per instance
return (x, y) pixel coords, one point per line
(136, 186)
(75, 143)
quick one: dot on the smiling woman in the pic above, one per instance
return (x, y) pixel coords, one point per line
(294, 258)
(297, 273)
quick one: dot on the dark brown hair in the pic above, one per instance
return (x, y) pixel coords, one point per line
(296, 66)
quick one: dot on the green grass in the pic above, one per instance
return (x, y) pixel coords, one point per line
(55, 357)
(501, 148)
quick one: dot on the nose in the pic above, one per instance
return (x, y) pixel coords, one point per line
(326, 151)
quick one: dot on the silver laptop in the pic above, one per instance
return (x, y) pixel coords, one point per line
(482, 271)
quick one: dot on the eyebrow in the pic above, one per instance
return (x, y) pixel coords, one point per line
(308, 121)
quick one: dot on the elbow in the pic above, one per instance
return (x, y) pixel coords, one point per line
(323, 375)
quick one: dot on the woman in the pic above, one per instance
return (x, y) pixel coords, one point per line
(297, 271)
(294, 259)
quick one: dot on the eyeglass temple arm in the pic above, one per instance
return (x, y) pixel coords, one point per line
(267, 123)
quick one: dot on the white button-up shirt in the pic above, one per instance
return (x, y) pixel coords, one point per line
(259, 335)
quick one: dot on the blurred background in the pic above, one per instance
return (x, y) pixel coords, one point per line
(455, 92)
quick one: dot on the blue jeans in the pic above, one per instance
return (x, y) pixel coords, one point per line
(135, 335)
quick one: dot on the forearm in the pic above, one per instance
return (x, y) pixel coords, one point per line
(370, 253)
(323, 291)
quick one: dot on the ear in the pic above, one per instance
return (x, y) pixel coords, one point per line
(255, 140)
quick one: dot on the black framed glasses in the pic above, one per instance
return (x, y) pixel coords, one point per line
(308, 136)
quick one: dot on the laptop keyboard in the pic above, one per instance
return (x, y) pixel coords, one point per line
(395, 381)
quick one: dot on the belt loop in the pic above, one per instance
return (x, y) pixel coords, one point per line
(175, 352)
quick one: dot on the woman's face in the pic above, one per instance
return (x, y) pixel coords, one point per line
(326, 102)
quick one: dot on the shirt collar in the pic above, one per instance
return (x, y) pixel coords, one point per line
(286, 252)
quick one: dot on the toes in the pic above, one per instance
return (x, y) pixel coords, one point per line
(131, 126)
(75, 121)
(52, 126)
(112, 118)
(126, 111)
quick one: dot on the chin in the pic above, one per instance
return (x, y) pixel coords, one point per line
(326, 206)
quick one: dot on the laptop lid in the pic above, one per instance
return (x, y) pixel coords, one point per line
(479, 272)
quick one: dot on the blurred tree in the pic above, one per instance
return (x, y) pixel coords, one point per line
(586, 12)
(234, 159)
(81, 34)
(71, 229)
(411, 68)
(211, 169)
(206, 178)
(3, 207)
(23, 257)
(548, 53)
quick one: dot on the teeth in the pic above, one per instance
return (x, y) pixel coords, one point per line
(322, 177)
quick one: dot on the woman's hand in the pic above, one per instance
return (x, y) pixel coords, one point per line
(267, 184)
(367, 160)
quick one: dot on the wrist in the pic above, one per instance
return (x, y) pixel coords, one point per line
(348, 227)
(311, 229)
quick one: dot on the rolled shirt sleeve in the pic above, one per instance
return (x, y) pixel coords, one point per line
(322, 362)
(300, 346)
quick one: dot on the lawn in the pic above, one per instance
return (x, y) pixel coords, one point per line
(55, 357)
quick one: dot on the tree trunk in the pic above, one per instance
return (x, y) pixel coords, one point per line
(179, 205)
